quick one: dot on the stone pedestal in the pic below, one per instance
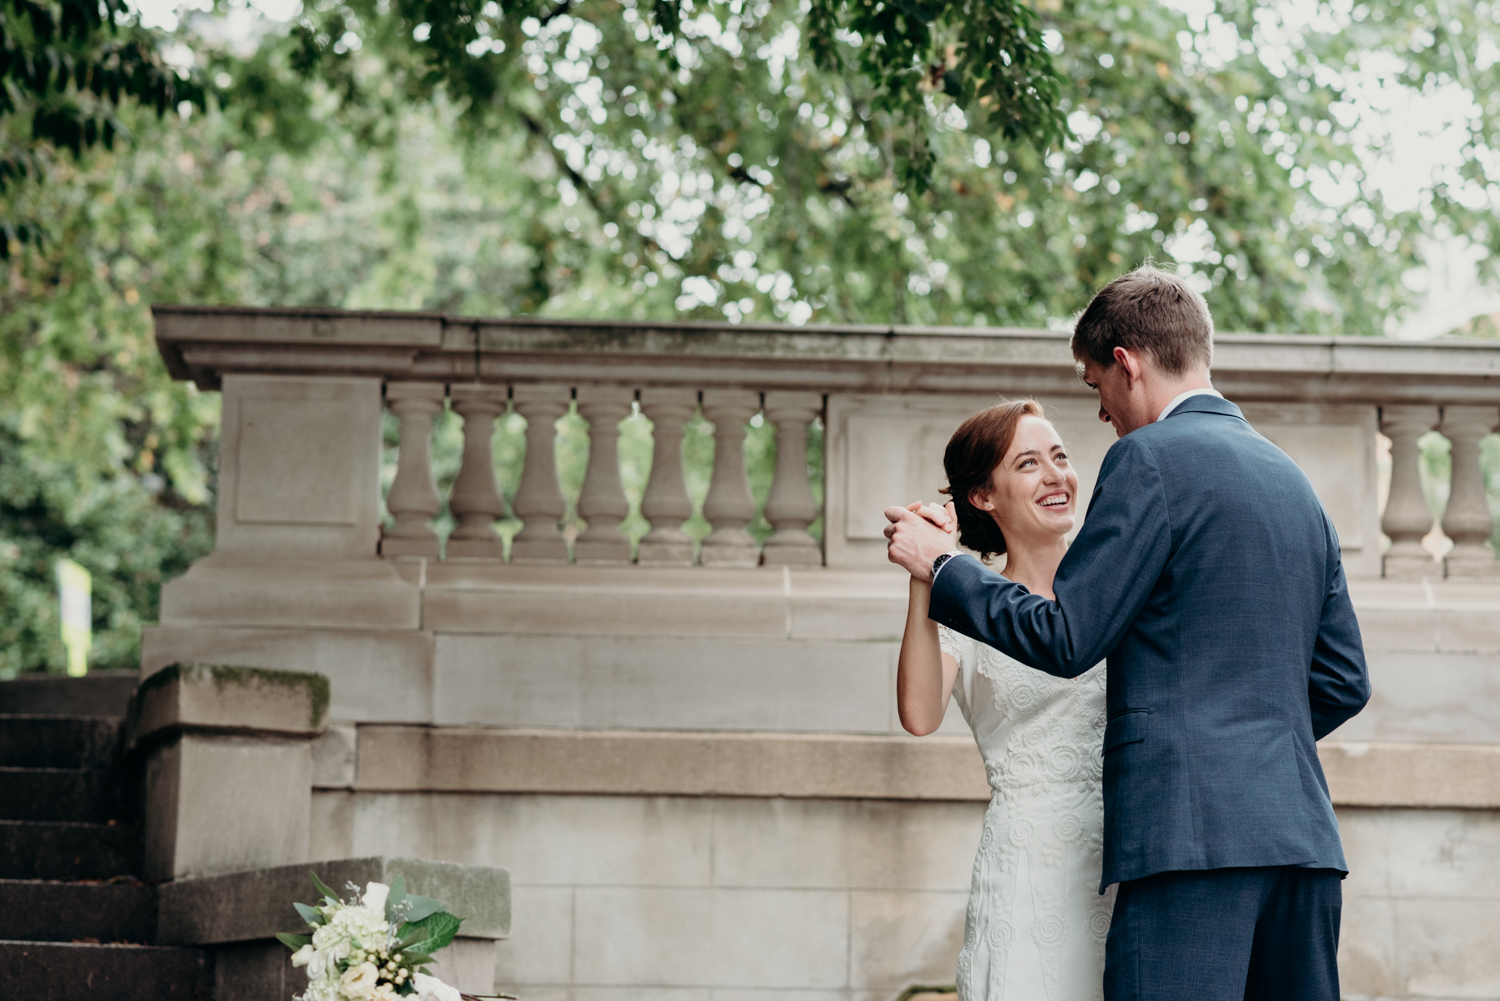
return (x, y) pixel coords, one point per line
(239, 914)
(228, 766)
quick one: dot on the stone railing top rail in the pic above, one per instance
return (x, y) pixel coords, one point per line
(202, 343)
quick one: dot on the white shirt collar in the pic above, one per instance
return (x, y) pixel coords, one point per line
(1189, 394)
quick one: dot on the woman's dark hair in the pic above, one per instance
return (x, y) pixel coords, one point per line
(976, 448)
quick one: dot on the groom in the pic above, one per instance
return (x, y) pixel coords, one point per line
(1208, 573)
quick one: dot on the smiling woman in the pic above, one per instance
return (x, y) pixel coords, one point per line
(1015, 493)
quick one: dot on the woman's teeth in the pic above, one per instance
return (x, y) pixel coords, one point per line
(1056, 500)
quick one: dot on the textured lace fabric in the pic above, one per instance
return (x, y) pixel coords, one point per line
(1036, 923)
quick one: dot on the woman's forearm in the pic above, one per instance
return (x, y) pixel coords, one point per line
(921, 686)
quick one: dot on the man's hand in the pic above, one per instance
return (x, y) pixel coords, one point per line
(918, 534)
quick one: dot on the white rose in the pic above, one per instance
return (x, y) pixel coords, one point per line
(433, 989)
(317, 965)
(375, 894)
(303, 955)
(359, 981)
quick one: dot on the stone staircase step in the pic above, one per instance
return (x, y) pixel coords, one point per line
(58, 971)
(78, 795)
(33, 741)
(36, 850)
(54, 911)
(102, 693)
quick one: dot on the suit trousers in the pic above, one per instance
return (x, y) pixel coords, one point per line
(1255, 934)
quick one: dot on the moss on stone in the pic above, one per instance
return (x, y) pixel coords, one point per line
(222, 675)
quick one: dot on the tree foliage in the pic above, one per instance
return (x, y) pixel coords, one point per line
(733, 159)
(66, 67)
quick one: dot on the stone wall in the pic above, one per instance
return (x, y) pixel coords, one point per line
(695, 774)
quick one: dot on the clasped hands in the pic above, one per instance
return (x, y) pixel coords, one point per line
(918, 534)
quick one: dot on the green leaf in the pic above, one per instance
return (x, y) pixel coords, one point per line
(333, 898)
(311, 915)
(293, 942)
(438, 930)
(422, 907)
(395, 897)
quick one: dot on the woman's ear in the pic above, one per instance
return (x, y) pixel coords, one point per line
(981, 500)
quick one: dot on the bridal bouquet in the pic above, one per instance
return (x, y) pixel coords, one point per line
(374, 946)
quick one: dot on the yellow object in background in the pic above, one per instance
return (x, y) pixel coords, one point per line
(75, 593)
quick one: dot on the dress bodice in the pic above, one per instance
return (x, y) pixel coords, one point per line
(1034, 731)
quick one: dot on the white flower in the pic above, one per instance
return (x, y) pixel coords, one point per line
(303, 955)
(385, 992)
(433, 989)
(358, 923)
(359, 982)
(320, 990)
(375, 894)
(318, 964)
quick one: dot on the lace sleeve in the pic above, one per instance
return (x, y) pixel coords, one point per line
(951, 643)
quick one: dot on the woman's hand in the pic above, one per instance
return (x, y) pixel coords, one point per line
(944, 517)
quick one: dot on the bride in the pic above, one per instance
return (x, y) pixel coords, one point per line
(1036, 923)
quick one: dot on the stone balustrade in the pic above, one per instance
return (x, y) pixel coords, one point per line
(888, 396)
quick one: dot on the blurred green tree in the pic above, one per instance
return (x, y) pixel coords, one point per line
(763, 160)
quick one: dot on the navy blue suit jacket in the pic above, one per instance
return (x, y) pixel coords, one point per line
(1208, 573)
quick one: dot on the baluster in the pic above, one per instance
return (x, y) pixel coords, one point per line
(1467, 521)
(666, 504)
(791, 507)
(730, 505)
(539, 499)
(1407, 517)
(602, 501)
(476, 501)
(413, 500)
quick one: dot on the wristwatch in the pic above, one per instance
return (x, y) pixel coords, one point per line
(937, 564)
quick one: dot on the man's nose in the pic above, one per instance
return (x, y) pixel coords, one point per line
(1104, 415)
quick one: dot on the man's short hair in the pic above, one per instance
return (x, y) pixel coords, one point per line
(1147, 310)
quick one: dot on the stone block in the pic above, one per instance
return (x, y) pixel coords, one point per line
(299, 466)
(900, 938)
(335, 757)
(256, 971)
(1432, 697)
(240, 589)
(454, 759)
(332, 826)
(540, 951)
(831, 844)
(1451, 854)
(467, 963)
(553, 840)
(1412, 775)
(689, 684)
(1470, 630)
(701, 937)
(1367, 948)
(219, 698)
(220, 803)
(257, 903)
(382, 675)
(619, 600)
(1446, 948)
(1405, 629)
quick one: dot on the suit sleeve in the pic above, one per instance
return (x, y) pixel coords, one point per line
(1339, 684)
(1101, 585)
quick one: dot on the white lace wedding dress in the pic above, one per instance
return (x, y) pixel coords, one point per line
(1036, 923)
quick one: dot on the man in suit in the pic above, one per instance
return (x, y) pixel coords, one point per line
(1209, 575)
